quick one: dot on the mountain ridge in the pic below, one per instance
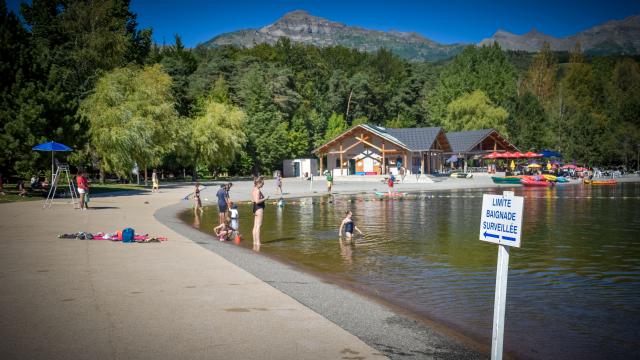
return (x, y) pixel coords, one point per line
(611, 37)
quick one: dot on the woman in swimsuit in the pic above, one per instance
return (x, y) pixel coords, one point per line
(196, 198)
(348, 225)
(258, 208)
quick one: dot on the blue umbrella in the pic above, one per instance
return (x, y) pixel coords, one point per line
(53, 147)
(550, 154)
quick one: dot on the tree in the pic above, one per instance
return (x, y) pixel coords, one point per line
(180, 64)
(217, 134)
(53, 61)
(266, 130)
(531, 124)
(132, 118)
(475, 111)
(485, 68)
(335, 126)
(540, 79)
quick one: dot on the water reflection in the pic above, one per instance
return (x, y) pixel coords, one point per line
(574, 286)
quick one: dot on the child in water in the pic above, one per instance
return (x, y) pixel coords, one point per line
(348, 225)
(223, 231)
(234, 215)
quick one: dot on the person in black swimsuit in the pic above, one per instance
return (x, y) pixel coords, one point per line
(348, 225)
(258, 200)
(196, 197)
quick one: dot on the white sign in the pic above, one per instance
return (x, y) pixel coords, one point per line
(501, 221)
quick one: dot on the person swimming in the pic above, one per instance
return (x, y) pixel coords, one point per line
(348, 225)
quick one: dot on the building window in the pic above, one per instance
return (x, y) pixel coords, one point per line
(337, 163)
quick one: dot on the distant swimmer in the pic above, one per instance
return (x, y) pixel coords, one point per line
(348, 225)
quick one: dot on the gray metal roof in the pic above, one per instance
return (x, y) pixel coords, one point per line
(463, 141)
(415, 139)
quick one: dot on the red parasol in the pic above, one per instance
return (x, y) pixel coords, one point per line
(531, 154)
(493, 155)
(569, 166)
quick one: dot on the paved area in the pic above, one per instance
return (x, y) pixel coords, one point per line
(75, 299)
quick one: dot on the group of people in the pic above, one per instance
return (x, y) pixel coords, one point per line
(228, 212)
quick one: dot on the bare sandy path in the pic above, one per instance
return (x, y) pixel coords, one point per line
(75, 299)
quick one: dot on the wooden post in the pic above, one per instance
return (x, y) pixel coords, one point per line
(421, 162)
(404, 162)
(384, 162)
(321, 156)
(341, 174)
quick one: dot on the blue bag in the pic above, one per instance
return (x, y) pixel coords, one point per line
(128, 235)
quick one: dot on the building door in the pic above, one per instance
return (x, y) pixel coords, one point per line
(296, 169)
(352, 166)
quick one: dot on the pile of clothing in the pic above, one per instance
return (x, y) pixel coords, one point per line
(113, 236)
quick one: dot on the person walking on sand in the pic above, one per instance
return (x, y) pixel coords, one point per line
(279, 182)
(348, 225)
(83, 189)
(154, 180)
(258, 200)
(223, 202)
(196, 198)
(329, 180)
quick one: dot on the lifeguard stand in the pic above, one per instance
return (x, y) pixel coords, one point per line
(60, 169)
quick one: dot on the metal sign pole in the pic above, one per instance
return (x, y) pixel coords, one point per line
(502, 275)
(501, 224)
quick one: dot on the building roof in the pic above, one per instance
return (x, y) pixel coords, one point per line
(465, 141)
(416, 139)
(412, 139)
(462, 141)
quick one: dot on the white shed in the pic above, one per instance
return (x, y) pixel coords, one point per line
(299, 167)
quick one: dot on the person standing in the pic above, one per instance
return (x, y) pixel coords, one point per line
(223, 202)
(390, 183)
(258, 200)
(154, 180)
(83, 189)
(348, 226)
(198, 202)
(329, 180)
(279, 182)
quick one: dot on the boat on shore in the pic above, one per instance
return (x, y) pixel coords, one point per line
(506, 179)
(601, 182)
(393, 194)
(535, 181)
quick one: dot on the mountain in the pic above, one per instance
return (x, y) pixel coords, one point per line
(302, 27)
(612, 37)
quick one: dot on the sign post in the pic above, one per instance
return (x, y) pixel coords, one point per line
(501, 223)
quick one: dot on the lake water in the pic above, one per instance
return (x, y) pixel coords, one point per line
(574, 286)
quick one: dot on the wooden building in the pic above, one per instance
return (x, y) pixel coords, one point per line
(373, 150)
(470, 146)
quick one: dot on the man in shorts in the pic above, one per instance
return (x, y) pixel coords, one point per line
(223, 202)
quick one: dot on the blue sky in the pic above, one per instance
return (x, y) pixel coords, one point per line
(446, 21)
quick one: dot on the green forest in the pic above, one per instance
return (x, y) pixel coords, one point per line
(85, 74)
